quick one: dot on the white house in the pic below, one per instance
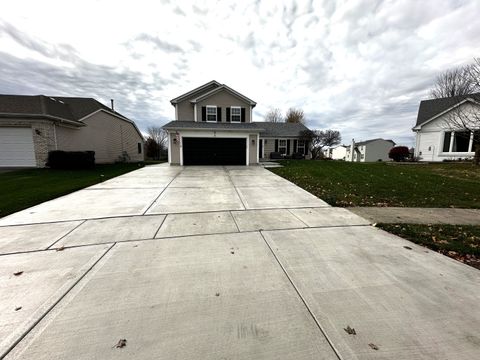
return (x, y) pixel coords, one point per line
(436, 139)
(336, 152)
(369, 150)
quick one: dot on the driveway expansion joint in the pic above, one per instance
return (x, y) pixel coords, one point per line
(302, 298)
(55, 303)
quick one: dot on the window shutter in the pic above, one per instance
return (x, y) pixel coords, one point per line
(228, 115)
(243, 115)
(306, 147)
(295, 144)
(276, 145)
(219, 114)
(288, 147)
(204, 113)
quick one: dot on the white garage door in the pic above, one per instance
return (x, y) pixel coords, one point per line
(16, 147)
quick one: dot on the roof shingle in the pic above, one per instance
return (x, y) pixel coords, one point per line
(432, 107)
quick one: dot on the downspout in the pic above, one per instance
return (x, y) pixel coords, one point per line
(55, 135)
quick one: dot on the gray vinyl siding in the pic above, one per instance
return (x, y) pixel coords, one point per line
(105, 134)
(185, 111)
(253, 149)
(224, 100)
(174, 151)
(269, 145)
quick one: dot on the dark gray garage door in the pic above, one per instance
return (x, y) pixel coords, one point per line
(214, 151)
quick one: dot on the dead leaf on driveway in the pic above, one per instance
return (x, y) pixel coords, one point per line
(373, 346)
(61, 248)
(350, 330)
(18, 273)
(18, 308)
(121, 343)
(408, 247)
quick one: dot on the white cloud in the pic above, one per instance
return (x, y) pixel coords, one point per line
(358, 66)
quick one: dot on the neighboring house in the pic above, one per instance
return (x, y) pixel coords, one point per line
(31, 126)
(435, 140)
(369, 150)
(213, 126)
(336, 152)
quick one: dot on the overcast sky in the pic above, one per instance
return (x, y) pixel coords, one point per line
(360, 67)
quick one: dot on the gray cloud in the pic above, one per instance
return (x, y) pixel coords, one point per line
(360, 67)
(158, 43)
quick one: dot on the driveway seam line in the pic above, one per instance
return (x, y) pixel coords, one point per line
(161, 192)
(156, 232)
(36, 322)
(68, 233)
(295, 216)
(182, 236)
(235, 221)
(320, 327)
(236, 190)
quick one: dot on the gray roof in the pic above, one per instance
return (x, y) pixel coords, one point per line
(281, 129)
(266, 129)
(203, 125)
(71, 109)
(372, 140)
(432, 107)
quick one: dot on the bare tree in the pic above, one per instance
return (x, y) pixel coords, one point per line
(294, 115)
(454, 82)
(274, 115)
(462, 85)
(319, 139)
(156, 142)
(159, 135)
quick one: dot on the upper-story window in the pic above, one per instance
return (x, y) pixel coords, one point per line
(211, 113)
(235, 114)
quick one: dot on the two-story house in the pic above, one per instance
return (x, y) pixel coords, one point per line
(213, 126)
(369, 150)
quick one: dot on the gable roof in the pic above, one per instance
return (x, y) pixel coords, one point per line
(428, 109)
(206, 90)
(221, 88)
(361, 143)
(192, 93)
(70, 109)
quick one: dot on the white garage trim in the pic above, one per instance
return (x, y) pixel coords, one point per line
(213, 134)
(16, 147)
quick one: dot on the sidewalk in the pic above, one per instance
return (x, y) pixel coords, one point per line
(419, 215)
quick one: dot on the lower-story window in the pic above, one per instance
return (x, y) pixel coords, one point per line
(457, 141)
(282, 146)
(301, 147)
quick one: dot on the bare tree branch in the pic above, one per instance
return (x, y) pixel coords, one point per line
(274, 115)
(453, 82)
(318, 139)
(295, 116)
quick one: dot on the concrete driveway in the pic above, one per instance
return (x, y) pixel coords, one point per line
(223, 263)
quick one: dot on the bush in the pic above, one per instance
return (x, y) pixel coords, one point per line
(59, 159)
(298, 156)
(399, 153)
(275, 155)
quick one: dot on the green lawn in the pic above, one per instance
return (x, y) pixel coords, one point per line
(460, 242)
(381, 184)
(21, 189)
